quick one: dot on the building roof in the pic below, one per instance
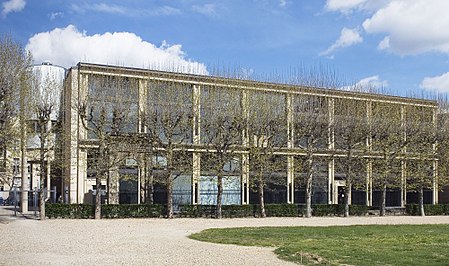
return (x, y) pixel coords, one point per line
(247, 84)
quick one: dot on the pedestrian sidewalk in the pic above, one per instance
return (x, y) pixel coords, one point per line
(7, 214)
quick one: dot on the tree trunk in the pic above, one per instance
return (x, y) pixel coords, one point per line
(219, 195)
(421, 201)
(42, 203)
(98, 197)
(169, 183)
(347, 193)
(42, 173)
(149, 187)
(383, 199)
(100, 175)
(261, 200)
(309, 188)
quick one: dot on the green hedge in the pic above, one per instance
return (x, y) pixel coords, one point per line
(84, 211)
(429, 209)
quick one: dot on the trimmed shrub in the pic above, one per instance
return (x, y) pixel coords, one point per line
(429, 209)
(280, 210)
(84, 211)
(77, 211)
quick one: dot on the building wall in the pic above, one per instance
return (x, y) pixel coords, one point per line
(77, 85)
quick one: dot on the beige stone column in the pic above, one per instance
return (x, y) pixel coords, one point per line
(290, 144)
(403, 162)
(369, 163)
(196, 157)
(332, 197)
(245, 156)
(435, 163)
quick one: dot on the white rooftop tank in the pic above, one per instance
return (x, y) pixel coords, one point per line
(47, 73)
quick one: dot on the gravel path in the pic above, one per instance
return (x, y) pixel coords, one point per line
(149, 241)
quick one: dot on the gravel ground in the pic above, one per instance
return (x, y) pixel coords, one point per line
(148, 241)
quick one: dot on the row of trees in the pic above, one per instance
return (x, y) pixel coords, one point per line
(28, 105)
(172, 120)
(177, 119)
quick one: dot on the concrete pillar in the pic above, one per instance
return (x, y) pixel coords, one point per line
(290, 144)
(245, 157)
(332, 196)
(369, 164)
(196, 157)
(331, 181)
(369, 183)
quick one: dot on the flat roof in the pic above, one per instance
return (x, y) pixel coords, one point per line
(142, 73)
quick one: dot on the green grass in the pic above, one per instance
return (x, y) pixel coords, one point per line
(353, 245)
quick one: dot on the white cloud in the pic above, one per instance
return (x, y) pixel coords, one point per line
(283, 3)
(344, 6)
(347, 38)
(122, 10)
(438, 83)
(12, 6)
(207, 9)
(67, 46)
(56, 15)
(412, 27)
(347, 7)
(369, 84)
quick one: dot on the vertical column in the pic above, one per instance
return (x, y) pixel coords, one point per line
(403, 162)
(369, 163)
(196, 157)
(143, 86)
(290, 144)
(142, 128)
(23, 143)
(77, 191)
(435, 162)
(435, 182)
(245, 156)
(139, 182)
(332, 190)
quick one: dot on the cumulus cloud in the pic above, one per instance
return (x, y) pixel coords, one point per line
(12, 6)
(412, 27)
(438, 83)
(369, 84)
(68, 46)
(347, 38)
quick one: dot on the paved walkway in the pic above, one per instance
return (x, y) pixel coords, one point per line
(150, 241)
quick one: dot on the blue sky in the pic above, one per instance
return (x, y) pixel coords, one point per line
(400, 45)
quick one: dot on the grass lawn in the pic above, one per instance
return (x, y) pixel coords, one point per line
(353, 245)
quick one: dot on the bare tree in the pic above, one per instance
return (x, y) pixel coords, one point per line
(351, 131)
(425, 139)
(388, 134)
(44, 109)
(222, 125)
(168, 118)
(266, 130)
(109, 109)
(311, 126)
(15, 74)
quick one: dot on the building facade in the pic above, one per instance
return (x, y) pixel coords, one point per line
(124, 106)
